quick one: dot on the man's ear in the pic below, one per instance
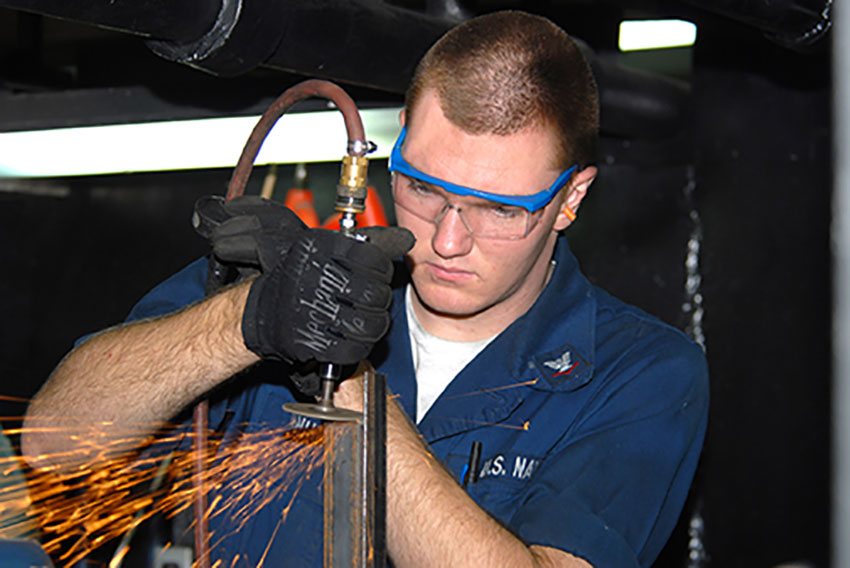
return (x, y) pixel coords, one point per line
(579, 184)
(402, 116)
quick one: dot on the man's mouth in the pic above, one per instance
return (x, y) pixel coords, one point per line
(447, 273)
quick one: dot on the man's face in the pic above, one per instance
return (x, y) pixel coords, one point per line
(459, 275)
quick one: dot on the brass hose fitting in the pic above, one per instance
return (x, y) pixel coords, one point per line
(351, 190)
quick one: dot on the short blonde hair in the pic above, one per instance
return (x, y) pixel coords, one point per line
(506, 71)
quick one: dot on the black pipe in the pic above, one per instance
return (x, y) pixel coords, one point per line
(640, 104)
(174, 20)
(635, 103)
(353, 41)
(365, 40)
(378, 45)
(361, 42)
(795, 24)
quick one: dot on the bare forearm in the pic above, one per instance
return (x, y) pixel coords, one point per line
(431, 521)
(130, 379)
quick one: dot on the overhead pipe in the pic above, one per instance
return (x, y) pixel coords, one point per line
(635, 103)
(354, 41)
(360, 42)
(640, 104)
(378, 45)
(172, 20)
(796, 24)
(447, 9)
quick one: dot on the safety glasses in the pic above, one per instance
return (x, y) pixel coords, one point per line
(530, 203)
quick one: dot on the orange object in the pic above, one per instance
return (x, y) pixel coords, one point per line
(374, 216)
(301, 202)
(571, 215)
(332, 222)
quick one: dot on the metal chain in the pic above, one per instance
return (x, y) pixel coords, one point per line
(692, 307)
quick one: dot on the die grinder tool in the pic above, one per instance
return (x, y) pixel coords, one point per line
(350, 201)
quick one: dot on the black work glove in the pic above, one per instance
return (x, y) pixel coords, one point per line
(327, 298)
(247, 233)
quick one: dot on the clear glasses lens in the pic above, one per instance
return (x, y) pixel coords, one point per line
(483, 218)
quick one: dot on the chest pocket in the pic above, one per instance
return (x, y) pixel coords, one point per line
(503, 479)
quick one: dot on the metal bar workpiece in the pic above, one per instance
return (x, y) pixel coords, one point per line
(355, 475)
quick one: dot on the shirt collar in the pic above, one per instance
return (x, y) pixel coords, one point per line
(555, 339)
(549, 348)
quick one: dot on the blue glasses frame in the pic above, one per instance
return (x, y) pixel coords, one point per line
(531, 203)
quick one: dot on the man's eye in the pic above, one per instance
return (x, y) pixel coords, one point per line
(505, 211)
(421, 188)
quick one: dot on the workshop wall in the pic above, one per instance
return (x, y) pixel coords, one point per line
(763, 190)
(749, 191)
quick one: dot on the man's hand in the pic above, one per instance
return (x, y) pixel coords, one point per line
(327, 299)
(248, 233)
(321, 295)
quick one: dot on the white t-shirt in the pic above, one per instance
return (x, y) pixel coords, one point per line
(436, 361)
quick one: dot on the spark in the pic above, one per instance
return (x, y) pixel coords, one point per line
(8, 398)
(494, 389)
(524, 426)
(113, 491)
(266, 551)
(119, 556)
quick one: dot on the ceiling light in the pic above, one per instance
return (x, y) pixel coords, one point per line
(656, 34)
(186, 144)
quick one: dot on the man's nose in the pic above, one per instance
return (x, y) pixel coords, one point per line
(451, 236)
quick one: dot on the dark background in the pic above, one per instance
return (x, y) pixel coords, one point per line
(743, 177)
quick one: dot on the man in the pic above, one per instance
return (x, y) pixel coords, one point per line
(590, 413)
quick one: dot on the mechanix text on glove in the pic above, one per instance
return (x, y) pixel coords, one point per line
(327, 299)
